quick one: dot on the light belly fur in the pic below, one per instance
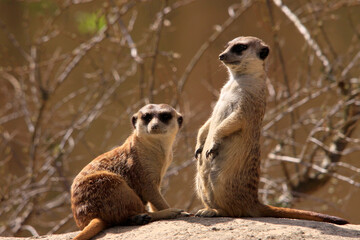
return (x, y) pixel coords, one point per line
(213, 174)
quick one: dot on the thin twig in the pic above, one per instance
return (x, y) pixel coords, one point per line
(195, 59)
(305, 33)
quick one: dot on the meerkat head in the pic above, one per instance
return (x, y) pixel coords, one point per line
(157, 120)
(245, 55)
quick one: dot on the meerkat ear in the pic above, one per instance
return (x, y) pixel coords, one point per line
(180, 121)
(263, 53)
(133, 121)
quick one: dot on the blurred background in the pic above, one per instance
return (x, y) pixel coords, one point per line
(73, 72)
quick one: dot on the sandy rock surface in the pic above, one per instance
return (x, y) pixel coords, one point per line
(224, 228)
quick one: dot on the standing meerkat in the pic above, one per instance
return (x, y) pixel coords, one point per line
(228, 148)
(114, 188)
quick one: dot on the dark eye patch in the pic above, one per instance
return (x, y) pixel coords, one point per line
(165, 117)
(147, 117)
(238, 48)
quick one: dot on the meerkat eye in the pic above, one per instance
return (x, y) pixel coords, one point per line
(165, 117)
(180, 121)
(238, 48)
(147, 117)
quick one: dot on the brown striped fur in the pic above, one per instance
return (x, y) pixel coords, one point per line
(114, 188)
(228, 148)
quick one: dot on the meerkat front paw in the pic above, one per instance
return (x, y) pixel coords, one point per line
(174, 212)
(186, 214)
(207, 212)
(180, 213)
(213, 151)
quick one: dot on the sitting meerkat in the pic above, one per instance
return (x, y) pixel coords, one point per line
(228, 148)
(114, 188)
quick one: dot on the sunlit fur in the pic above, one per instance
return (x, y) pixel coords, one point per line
(248, 63)
(228, 148)
(114, 188)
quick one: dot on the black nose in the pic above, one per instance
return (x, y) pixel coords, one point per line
(155, 127)
(222, 57)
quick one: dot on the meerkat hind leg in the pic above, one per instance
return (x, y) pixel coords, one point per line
(108, 197)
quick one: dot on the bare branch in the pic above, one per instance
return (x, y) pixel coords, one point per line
(305, 33)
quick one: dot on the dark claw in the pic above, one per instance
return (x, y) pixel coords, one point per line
(213, 151)
(198, 152)
(208, 152)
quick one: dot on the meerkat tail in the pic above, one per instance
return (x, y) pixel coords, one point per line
(94, 227)
(280, 212)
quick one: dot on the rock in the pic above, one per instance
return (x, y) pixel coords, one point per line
(223, 228)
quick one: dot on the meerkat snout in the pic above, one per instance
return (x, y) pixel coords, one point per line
(154, 126)
(244, 55)
(233, 52)
(222, 57)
